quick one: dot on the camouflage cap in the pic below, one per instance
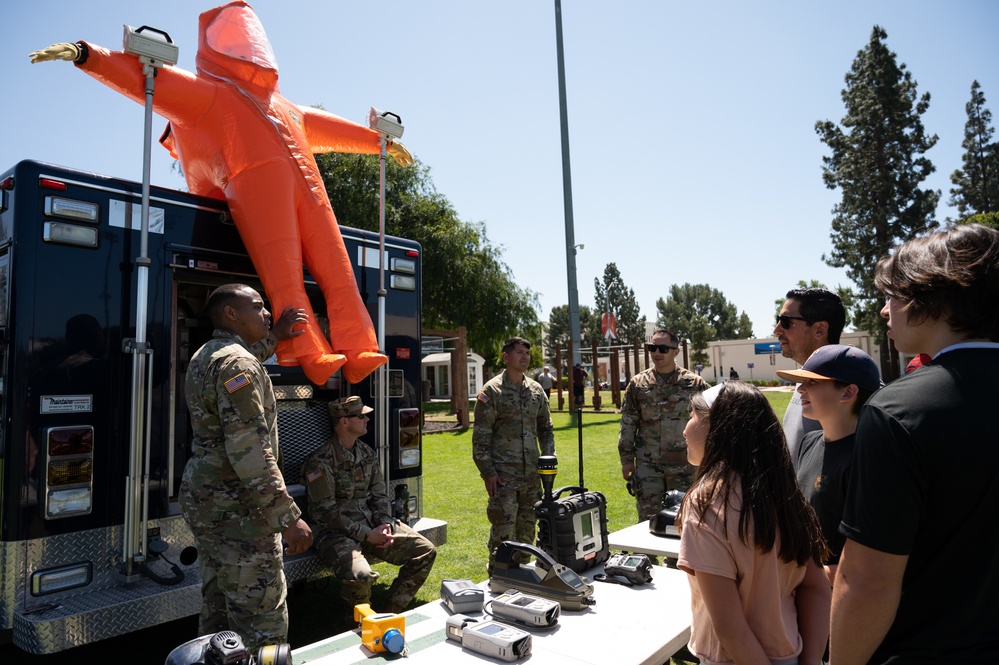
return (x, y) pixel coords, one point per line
(345, 407)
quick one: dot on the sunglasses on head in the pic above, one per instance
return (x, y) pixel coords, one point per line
(786, 321)
(661, 348)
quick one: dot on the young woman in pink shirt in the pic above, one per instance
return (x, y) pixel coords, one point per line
(749, 541)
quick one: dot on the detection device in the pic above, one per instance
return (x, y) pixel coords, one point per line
(381, 631)
(462, 596)
(636, 568)
(572, 528)
(547, 578)
(490, 638)
(525, 609)
(663, 523)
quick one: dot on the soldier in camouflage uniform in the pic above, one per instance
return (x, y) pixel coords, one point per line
(233, 495)
(350, 511)
(655, 410)
(511, 419)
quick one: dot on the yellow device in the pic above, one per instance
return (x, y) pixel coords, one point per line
(381, 631)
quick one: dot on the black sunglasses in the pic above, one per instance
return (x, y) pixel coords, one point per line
(785, 320)
(359, 416)
(661, 348)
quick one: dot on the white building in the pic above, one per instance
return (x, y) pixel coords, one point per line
(437, 370)
(759, 359)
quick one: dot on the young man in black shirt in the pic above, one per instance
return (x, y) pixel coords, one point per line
(918, 578)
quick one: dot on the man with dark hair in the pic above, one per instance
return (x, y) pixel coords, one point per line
(511, 420)
(655, 410)
(808, 319)
(232, 494)
(918, 578)
(350, 510)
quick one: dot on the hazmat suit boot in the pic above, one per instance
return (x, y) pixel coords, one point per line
(320, 368)
(361, 364)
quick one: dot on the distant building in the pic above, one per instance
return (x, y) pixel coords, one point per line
(764, 356)
(763, 353)
(437, 370)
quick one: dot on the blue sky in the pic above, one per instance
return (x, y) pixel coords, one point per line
(691, 125)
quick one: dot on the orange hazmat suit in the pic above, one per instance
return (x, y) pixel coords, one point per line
(237, 138)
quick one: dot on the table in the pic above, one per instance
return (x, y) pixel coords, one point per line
(637, 539)
(642, 625)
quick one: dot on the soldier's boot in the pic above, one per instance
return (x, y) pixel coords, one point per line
(357, 592)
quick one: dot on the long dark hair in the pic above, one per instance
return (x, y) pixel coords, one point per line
(746, 442)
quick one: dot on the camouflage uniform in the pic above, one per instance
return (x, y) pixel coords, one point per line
(233, 495)
(655, 411)
(347, 499)
(510, 421)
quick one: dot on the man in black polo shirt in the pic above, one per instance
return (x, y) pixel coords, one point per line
(918, 579)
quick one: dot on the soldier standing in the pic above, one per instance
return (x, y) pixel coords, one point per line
(511, 420)
(351, 512)
(655, 411)
(233, 495)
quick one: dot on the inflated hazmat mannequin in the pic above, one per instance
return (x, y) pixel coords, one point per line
(238, 139)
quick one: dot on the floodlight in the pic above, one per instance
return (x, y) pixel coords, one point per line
(385, 122)
(154, 47)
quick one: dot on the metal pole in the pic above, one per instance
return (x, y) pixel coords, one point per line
(381, 398)
(134, 529)
(570, 238)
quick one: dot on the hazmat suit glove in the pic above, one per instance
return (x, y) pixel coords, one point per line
(399, 153)
(60, 51)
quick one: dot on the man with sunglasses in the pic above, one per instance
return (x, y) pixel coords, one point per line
(808, 319)
(351, 514)
(656, 408)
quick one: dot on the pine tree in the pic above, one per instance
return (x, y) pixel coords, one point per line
(976, 186)
(878, 164)
(613, 295)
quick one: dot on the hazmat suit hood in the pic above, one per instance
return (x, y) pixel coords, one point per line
(233, 46)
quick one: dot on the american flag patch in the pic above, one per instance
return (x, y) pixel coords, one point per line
(483, 398)
(315, 475)
(237, 382)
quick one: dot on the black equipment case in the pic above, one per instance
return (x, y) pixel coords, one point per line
(572, 529)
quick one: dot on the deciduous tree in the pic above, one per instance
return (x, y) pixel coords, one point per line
(465, 280)
(701, 314)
